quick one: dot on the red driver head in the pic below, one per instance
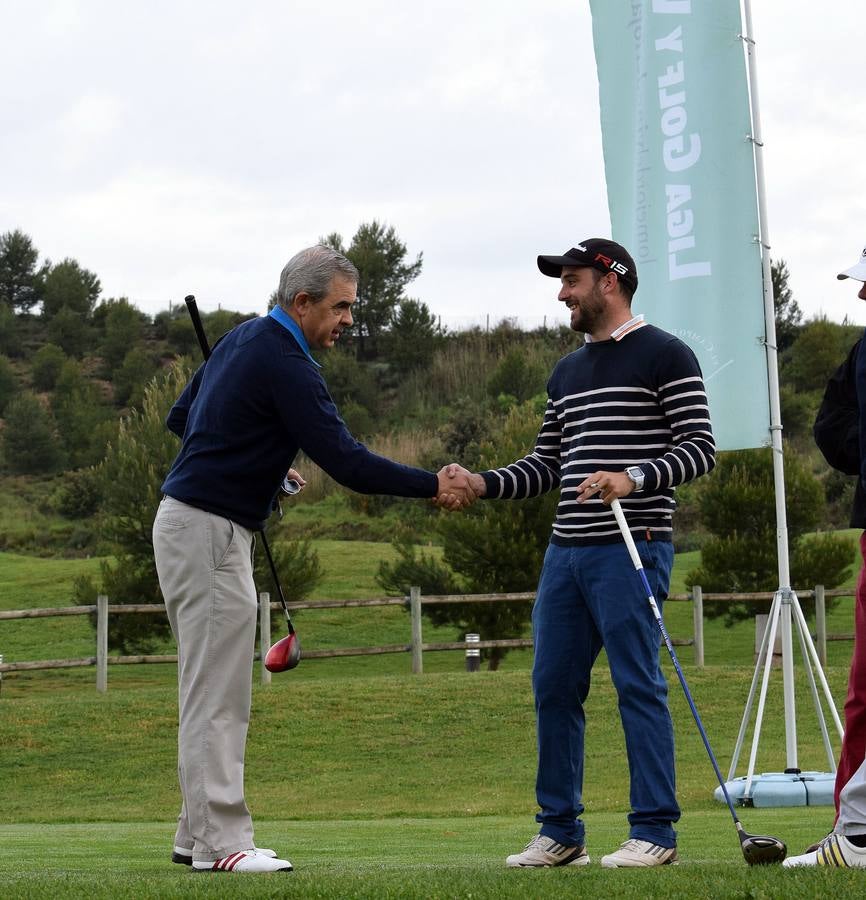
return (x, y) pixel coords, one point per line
(284, 655)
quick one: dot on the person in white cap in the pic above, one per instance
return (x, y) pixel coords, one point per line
(840, 432)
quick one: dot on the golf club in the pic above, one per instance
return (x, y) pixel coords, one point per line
(758, 849)
(286, 653)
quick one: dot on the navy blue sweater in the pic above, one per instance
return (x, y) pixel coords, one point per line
(636, 401)
(244, 416)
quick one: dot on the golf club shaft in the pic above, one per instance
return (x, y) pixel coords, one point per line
(192, 308)
(635, 558)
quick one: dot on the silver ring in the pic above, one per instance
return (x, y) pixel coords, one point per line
(594, 485)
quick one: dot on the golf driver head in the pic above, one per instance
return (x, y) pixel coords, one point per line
(761, 849)
(284, 655)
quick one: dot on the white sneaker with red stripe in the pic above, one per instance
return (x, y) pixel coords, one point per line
(243, 861)
(183, 855)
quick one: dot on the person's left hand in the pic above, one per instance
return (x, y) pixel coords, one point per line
(606, 486)
(295, 475)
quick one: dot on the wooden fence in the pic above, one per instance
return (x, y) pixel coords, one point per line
(416, 645)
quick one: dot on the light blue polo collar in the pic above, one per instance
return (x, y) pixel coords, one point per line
(291, 326)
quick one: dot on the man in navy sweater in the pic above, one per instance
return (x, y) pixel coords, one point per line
(626, 417)
(243, 417)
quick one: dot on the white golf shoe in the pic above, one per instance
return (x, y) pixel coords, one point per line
(244, 861)
(835, 851)
(633, 854)
(183, 855)
(545, 852)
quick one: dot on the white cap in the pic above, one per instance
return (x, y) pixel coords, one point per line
(858, 271)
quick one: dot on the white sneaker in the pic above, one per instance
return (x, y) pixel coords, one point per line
(184, 856)
(834, 850)
(244, 861)
(544, 852)
(635, 854)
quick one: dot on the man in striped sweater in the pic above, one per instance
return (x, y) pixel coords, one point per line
(626, 417)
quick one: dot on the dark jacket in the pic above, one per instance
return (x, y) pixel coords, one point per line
(837, 429)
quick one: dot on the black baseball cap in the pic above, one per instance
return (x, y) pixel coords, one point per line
(597, 253)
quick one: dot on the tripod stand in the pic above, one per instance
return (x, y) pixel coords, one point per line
(784, 612)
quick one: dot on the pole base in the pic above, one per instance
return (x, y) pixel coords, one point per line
(782, 789)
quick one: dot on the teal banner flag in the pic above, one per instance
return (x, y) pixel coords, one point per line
(680, 171)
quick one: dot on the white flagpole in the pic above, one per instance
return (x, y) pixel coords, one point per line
(775, 407)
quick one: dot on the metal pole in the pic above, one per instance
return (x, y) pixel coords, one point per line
(264, 632)
(415, 610)
(101, 643)
(773, 378)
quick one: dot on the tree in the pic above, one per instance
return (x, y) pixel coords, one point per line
(412, 337)
(787, 311)
(68, 329)
(79, 411)
(517, 376)
(380, 257)
(122, 325)
(8, 383)
(492, 547)
(131, 378)
(813, 357)
(21, 283)
(30, 444)
(47, 363)
(68, 284)
(9, 342)
(738, 507)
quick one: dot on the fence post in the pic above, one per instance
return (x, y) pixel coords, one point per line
(473, 654)
(264, 632)
(102, 643)
(821, 624)
(698, 618)
(415, 610)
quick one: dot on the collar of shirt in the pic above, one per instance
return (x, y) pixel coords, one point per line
(292, 327)
(626, 328)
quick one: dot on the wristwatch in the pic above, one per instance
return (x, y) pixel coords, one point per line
(637, 476)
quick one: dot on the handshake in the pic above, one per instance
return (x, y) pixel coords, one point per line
(458, 487)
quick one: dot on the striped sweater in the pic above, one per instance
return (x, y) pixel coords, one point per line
(636, 400)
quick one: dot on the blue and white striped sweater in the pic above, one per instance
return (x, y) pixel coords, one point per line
(639, 400)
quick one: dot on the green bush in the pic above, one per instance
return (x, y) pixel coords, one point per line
(30, 444)
(738, 506)
(8, 383)
(47, 364)
(80, 494)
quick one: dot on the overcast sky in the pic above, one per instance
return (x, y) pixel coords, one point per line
(193, 147)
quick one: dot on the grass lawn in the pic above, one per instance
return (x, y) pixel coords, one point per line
(376, 783)
(410, 857)
(374, 786)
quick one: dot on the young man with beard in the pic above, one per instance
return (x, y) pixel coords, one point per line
(626, 417)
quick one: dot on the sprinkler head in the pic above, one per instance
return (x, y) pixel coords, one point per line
(284, 655)
(761, 849)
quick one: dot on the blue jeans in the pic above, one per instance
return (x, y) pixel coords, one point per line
(590, 597)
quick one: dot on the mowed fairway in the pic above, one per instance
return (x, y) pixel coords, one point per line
(374, 786)
(374, 782)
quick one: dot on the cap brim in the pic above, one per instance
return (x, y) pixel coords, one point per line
(552, 265)
(857, 272)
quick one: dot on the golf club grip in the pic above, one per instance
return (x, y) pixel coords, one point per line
(626, 534)
(192, 308)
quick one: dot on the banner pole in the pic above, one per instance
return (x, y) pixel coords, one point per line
(775, 405)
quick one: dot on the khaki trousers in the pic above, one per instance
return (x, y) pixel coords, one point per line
(205, 572)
